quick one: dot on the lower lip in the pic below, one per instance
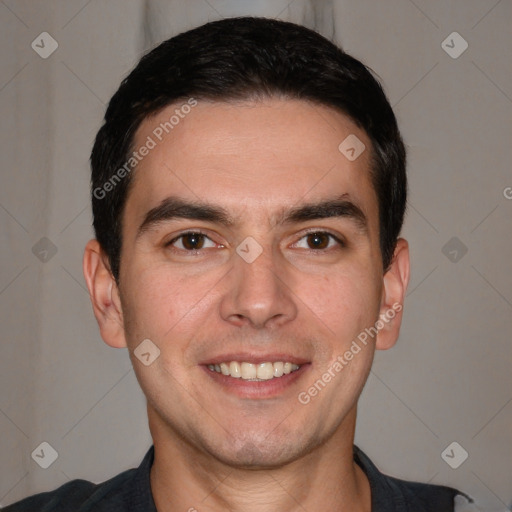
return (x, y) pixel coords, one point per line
(257, 389)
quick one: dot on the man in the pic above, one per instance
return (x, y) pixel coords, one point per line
(248, 192)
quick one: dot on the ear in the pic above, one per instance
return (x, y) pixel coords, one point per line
(395, 282)
(104, 295)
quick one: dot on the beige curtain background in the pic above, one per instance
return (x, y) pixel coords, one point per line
(447, 70)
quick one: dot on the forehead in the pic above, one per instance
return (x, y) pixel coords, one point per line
(263, 155)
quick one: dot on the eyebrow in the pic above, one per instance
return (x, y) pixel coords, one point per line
(174, 207)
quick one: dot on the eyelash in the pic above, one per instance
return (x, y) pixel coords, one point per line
(338, 240)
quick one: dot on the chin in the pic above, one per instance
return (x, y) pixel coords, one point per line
(258, 452)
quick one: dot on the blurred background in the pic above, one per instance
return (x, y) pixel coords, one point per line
(436, 408)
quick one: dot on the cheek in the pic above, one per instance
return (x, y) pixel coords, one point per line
(164, 302)
(346, 301)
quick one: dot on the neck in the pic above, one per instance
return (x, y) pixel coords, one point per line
(186, 478)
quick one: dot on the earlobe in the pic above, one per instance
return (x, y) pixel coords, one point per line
(395, 283)
(104, 295)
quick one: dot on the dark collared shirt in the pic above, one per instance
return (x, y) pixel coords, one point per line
(130, 491)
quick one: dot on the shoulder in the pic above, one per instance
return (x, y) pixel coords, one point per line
(429, 497)
(393, 494)
(79, 496)
(129, 490)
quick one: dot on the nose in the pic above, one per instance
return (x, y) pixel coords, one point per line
(258, 293)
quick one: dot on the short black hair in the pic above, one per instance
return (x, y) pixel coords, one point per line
(238, 59)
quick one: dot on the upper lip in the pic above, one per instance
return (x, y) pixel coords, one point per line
(245, 357)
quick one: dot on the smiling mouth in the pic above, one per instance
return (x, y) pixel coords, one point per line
(254, 372)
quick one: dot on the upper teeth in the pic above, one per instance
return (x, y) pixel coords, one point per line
(250, 371)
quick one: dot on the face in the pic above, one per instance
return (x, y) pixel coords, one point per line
(250, 240)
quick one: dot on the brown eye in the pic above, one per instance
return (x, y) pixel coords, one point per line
(190, 241)
(318, 240)
(193, 241)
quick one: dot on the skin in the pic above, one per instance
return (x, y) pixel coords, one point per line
(216, 450)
